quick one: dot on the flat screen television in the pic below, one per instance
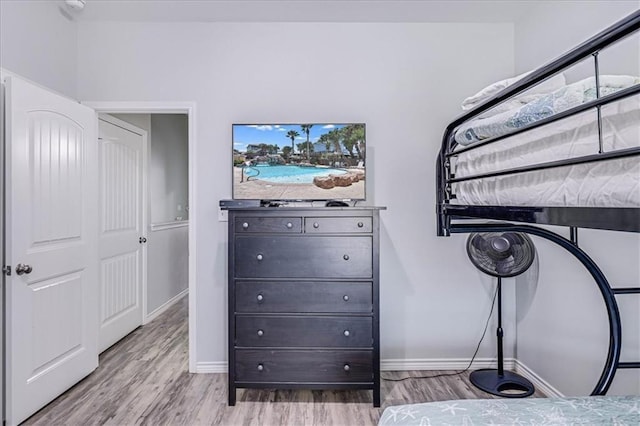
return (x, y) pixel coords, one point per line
(299, 162)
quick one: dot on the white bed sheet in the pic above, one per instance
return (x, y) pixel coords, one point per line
(613, 183)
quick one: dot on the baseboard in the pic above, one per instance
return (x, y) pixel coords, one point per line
(162, 308)
(441, 364)
(390, 365)
(539, 383)
(212, 367)
(430, 364)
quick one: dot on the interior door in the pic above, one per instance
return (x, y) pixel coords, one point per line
(51, 245)
(122, 240)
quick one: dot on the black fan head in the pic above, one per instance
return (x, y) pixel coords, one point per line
(501, 254)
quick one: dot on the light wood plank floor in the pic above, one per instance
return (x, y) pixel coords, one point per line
(143, 379)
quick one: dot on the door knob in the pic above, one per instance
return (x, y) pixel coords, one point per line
(23, 269)
(142, 240)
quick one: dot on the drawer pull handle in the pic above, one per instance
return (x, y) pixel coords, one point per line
(245, 225)
(289, 225)
(346, 367)
(259, 257)
(360, 224)
(260, 297)
(346, 333)
(345, 298)
(345, 257)
(260, 367)
(316, 225)
(260, 333)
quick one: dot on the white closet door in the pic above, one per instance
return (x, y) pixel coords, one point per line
(122, 237)
(52, 246)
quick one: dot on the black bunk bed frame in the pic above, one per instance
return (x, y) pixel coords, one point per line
(450, 217)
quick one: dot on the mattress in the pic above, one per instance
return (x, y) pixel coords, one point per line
(611, 183)
(591, 410)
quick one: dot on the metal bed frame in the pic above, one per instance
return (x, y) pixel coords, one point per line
(450, 217)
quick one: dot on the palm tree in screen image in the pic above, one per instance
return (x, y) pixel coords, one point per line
(292, 134)
(324, 139)
(334, 136)
(306, 128)
(353, 137)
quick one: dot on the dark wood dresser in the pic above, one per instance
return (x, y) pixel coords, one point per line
(303, 298)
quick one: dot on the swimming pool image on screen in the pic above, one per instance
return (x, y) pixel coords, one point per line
(290, 173)
(299, 161)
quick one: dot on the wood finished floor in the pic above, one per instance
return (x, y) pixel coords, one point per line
(143, 380)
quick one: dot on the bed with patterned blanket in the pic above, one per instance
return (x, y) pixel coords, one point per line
(591, 410)
(613, 183)
(526, 109)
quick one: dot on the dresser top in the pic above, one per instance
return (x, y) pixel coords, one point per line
(304, 208)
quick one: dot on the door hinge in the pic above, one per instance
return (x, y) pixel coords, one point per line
(6, 270)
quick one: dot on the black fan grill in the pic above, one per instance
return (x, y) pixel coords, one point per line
(501, 254)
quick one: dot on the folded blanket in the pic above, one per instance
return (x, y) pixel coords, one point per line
(560, 100)
(549, 85)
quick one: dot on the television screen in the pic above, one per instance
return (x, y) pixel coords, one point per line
(301, 162)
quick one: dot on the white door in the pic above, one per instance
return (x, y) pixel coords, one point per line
(122, 150)
(51, 245)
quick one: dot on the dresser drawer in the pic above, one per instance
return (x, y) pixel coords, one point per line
(304, 331)
(294, 366)
(316, 225)
(305, 296)
(303, 257)
(268, 224)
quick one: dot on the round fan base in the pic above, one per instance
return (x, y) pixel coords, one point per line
(507, 385)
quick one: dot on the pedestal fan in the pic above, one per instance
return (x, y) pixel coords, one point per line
(501, 255)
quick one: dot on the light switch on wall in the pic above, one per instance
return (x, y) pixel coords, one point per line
(223, 215)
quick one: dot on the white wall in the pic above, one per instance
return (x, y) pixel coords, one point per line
(404, 80)
(168, 265)
(38, 41)
(169, 168)
(168, 163)
(563, 328)
(550, 29)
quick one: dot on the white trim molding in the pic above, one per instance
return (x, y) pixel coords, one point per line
(166, 305)
(538, 382)
(441, 364)
(460, 364)
(430, 364)
(391, 365)
(154, 227)
(212, 367)
(141, 107)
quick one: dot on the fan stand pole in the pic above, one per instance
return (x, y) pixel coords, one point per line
(499, 382)
(499, 332)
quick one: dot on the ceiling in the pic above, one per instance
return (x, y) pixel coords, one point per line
(302, 10)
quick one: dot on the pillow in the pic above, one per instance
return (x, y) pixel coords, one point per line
(511, 104)
(547, 86)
